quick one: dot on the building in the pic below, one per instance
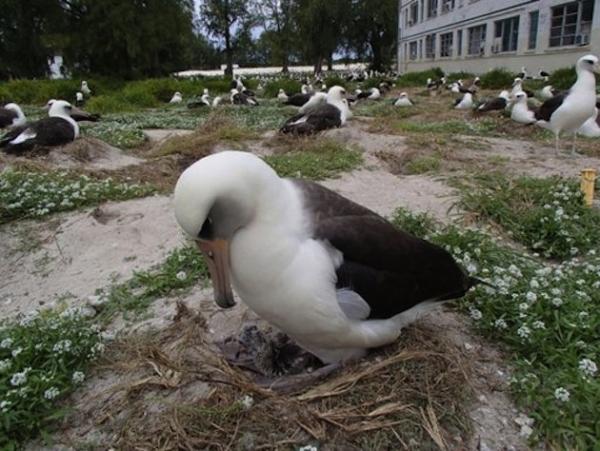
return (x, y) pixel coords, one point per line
(479, 35)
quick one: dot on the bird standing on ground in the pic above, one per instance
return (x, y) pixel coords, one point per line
(335, 276)
(568, 111)
(85, 89)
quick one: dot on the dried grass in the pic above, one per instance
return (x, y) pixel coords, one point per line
(176, 393)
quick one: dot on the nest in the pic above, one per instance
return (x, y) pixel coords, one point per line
(177, 392)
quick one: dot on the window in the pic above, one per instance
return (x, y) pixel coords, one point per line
(420, 49)
(432, 8)
(534, 19)
(430, 46)
(477, 40)
(506, 35)
(413, 50)
(571, 23)
(459, 42)
(414, 13)
(446, 45)
(447, 6)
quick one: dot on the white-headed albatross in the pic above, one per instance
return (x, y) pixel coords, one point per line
(520, 111)
(568, 111)
(496, 103)
(57, 129)
(329, 114)
(11, 115)
(403, 100)
(333, 275)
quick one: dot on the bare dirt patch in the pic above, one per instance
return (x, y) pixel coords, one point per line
(77, 253)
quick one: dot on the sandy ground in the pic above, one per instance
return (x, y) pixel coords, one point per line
(75, 254)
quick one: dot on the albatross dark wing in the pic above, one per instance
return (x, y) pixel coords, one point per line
(390, 269)
(6, 117)
(323, 117)
(544, 113)
(498, 103)
(297, 99)
(47, 132)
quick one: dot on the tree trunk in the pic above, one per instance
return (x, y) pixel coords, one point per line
(330, 62)
(285, 63)
(228, 54)
(318, 65)
(377, 63)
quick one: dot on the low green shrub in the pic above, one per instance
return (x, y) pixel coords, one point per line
(335, 80)
(563, 78)
(497, 79)
(287, 84)
(411, 79)
(108, 104)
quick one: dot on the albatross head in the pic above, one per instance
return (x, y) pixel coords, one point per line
(215, 198)
(336, 96)
(520, 97)
(588, 63)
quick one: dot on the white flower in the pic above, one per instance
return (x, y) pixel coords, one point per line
(514, 271)
(526, 424)
(523, 306)
(523, 332)
(583, 315)
(562, 394)
(51, 393)
(557, 302)
(181, 275)
(471, 268)
(62, 346)
(475, 314)
(19, 378)
(5, 364)
(4, 406)
(588, 367)
(78, 377)
(247, 401)
(308, 448)
(531, 296)
(538, 325)
(534, 284)
(17, 351)
(500, 324)
(6, 343)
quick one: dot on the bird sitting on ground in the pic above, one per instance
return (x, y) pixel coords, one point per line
(11, 115)
(520, 111)
(403, 100)
(57, 129)
(568, 111)
(79, 99)
(204, 101)
(282, 96)
(333, 113)
(77, 114)
(591, 127)
(177, 98)
(464, 103)
(495, 104)
(547, 92)
(333, 275)
(240, 98)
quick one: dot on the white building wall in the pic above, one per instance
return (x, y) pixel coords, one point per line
(469, 13)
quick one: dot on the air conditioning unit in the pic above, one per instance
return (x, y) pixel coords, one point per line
(582, 39)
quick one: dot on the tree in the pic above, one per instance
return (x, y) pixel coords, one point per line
(373, 31)
(137, 38)
(226, 19)
(26, 28)
(320, 24)
(278, 23)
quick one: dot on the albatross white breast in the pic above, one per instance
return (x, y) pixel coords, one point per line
(335, 276)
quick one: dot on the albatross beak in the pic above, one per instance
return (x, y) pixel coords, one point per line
(216, 253)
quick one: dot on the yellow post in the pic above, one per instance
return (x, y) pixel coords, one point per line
(588, 179)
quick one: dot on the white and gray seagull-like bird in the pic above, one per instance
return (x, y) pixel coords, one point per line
(335, 276)
(568, 111)
(403, 100)
(57, 129)
(520, 111)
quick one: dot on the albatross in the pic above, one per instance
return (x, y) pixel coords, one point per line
(333, 275)
(11, 115)
(568, 111)
(57, 129)
(332, 113)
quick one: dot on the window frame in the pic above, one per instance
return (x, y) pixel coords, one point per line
(509, 34)
(570, 40)
(447, 39)
(532, 37)
(481, 40)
